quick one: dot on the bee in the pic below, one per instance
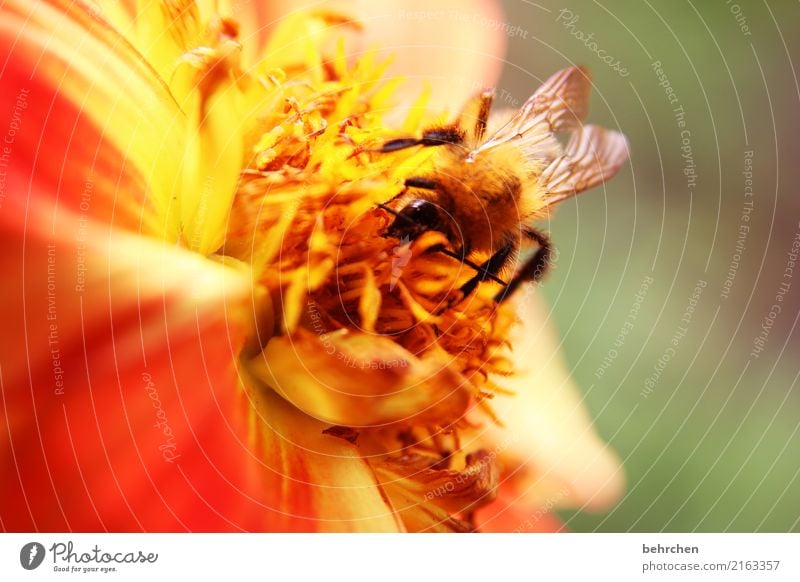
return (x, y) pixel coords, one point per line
(485, 193)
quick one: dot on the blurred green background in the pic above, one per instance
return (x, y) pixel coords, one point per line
(709, 436)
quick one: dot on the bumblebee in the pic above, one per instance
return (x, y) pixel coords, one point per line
(485, 193)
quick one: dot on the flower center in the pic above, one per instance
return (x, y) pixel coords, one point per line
(364, 331)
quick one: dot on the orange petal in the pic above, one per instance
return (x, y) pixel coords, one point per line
(354, 379)
(550, 452)
(81, 140)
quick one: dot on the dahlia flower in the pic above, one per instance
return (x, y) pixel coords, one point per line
(205, 327)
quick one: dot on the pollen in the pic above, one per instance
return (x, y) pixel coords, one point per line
(318, 242)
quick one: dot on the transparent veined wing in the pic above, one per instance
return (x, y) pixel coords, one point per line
(592, 156)
(559, 105)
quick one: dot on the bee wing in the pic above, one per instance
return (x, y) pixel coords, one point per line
(560, 104)
(592, 156)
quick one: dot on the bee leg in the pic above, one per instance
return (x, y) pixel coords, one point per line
(461, 257)
(402, 143)
(489, 269)
(533, 269)
(437, 136)
(431, 137)
(421, 183)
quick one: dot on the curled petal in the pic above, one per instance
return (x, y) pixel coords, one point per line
(354, 379)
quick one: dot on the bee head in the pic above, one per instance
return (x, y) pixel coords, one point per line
(418, 217)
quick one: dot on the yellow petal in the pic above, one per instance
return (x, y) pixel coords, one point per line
(180, 122)
(354, 379)
(161, 30)
(205, 86)
(296, 42)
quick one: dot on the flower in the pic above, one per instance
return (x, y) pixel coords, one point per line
(206, 329)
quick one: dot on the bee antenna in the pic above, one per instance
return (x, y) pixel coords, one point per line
(389, 209)
(394, 212)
